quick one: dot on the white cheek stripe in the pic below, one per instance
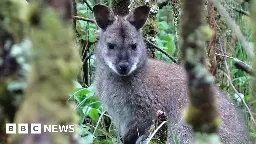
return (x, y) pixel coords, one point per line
(112, 66)
(134, 66)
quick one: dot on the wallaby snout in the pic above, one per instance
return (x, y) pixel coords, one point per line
(123, 68)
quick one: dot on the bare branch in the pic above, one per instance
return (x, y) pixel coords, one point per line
(74, 13)
(83, 19)
(242, 11)
(88, 5)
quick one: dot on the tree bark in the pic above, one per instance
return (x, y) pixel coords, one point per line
(211, 50)
(54, 66)
(11, 32)
(201, 111)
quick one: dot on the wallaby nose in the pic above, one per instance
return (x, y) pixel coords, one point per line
(123, 67)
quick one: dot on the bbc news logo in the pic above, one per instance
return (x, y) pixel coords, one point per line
(37, 128)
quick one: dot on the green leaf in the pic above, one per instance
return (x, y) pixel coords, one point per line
(171, 48)
(83, 24)
(82, 92)
(252, 134)
(92, 39)
(94, 114)
(163, 25)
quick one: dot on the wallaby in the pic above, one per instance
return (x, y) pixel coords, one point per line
(133, 87)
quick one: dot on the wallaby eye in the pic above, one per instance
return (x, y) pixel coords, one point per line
(134, 47)
(111, 46)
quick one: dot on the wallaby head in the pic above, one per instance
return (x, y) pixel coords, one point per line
(121, 44)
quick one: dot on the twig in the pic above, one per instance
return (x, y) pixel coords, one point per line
(88, 5)
(242, 12)
(83, 19)
(74, 14)
(225, 56)
(162, 51)
(235, 29)
(233, 87)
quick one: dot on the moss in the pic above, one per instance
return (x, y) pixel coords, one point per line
(150, 29)
(201, 111)
(55, 65)
(191, 115)
(12, 29)
(14, 17)
(206, 139)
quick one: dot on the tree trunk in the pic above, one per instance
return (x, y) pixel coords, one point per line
(54, 66)
(201, 110)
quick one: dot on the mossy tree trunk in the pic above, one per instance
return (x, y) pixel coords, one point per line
(201, 111)
(55, 63)
(11, 32)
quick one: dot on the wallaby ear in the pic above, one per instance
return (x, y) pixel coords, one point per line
(138, 16)
(103, 16)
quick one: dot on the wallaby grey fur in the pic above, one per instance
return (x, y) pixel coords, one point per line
(133, 87)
